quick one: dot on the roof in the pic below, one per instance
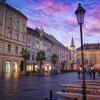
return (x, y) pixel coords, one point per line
(11, 8)
(53, 40)
(50, 38)
(33, 32)
(92, 46)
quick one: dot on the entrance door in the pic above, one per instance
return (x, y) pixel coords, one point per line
(22, 65)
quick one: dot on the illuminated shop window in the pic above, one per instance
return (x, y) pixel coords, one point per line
(8, 66)
(15, 67)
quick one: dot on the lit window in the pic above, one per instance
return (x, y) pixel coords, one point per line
(37, 45)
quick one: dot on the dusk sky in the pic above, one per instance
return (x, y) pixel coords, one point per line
(57, 17)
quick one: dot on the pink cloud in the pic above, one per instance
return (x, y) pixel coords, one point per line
(70, 20)
(53, 7)
(92, 26)
(50, 6)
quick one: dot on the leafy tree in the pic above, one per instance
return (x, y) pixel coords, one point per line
(26, 56)
(40, 57)
(54, 59)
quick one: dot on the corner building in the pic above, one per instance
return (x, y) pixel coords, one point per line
(12, 38)
(91, 55)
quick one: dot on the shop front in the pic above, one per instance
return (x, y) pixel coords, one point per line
(47, 68)
(30, 67)
(8, 67)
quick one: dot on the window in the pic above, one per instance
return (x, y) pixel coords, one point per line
(23, 27)
(94, 56)
(37, 45)
(32, 57)
(23, 38)
(22, 48)
(10, 34)
(17, 36)
(16, 50)
(10, 20)
(1, 16)
(17, 24)
(9, 48)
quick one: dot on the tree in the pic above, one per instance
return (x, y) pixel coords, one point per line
(26, 56)
(40, 57)
(54, 59)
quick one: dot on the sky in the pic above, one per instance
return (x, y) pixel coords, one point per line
(57, 17)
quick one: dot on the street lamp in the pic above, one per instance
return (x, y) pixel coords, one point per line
(80, 12)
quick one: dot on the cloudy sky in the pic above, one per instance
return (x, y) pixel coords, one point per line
(57, 18)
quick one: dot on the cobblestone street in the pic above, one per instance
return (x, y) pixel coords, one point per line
(33, 87)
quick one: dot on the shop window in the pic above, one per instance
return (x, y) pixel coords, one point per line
(15, 67)
(8, 66)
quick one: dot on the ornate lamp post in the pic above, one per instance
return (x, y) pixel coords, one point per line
(80, 12)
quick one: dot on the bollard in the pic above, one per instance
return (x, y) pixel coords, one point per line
(50, 94)
(50, 97)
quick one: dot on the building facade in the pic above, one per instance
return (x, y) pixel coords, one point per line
(91, 55)
(12, 38)
(40, 40)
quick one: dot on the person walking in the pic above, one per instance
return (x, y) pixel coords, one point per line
(94, 72)
(79, 73)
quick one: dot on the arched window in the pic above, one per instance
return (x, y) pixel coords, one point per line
(9, 48)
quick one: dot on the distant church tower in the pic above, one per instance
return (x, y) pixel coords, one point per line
(72, 53)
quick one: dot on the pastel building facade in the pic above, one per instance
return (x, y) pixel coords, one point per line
(40, 40)
(91, 55)
(12, 38)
